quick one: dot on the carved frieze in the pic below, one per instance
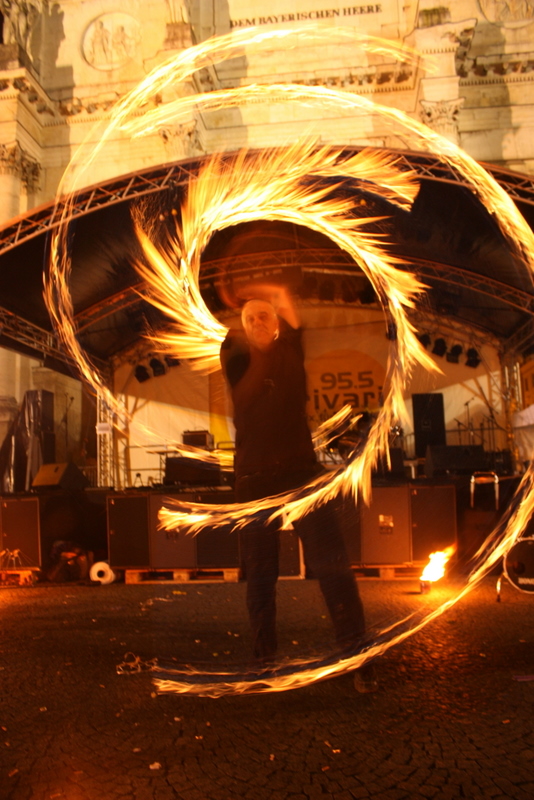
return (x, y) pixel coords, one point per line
(15, 161)
(20, 17)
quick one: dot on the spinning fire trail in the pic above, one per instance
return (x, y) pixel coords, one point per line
(284, 184)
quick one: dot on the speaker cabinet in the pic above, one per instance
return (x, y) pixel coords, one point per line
(63, 476)
(386, 526)
(433, 510)
(455, 460)
(135, 541)
(404, 524)
(428, 422)
(19, 518)
(128, 544)
(182, 471)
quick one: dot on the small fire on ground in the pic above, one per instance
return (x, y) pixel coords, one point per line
(435, 569)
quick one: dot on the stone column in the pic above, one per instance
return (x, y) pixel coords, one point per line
(446, 45)
(18, 173)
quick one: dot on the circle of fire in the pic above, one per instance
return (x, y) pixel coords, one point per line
(282, 184)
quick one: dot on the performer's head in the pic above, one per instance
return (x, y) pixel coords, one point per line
(260, 323)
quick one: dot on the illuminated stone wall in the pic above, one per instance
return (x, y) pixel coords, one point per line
(63, 65)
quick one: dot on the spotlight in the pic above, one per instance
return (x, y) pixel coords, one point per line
(440, 347)
(157, 367)
(172, 361)
(425, 339)
(453, 356)
(141, 373)
(473, 359)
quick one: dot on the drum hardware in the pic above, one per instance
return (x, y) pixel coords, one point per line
(518, 567)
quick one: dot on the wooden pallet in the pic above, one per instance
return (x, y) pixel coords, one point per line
(229, 575)
(20, 577)
(388, 573)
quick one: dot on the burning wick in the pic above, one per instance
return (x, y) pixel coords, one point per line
(435, 569)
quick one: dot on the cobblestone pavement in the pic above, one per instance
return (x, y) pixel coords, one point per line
(450, 720)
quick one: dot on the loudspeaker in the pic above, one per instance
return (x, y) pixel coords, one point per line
(62, 476)
(180, 470)
(502, 462)
(434, 527)
(395, 472)
(404, 524)
(428, 422)
(128, 531)
(202, 439)
(135, 540)
(386, 527)
(19, 518)
(455, 460)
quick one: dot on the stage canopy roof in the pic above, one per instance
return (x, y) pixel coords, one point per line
(448, 238)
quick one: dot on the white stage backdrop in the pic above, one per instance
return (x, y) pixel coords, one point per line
(346, 358)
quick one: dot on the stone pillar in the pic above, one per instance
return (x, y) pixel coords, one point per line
(10, 181)
(18, 173)
(442, 116)
(446, 45)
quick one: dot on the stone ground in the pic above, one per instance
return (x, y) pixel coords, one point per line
(450, 719)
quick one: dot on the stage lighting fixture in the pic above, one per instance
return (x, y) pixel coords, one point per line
(453, 356)
(473, 358)
(172, 361)
(425, 339)
(440, 347)
(157, 367)
(141, 373)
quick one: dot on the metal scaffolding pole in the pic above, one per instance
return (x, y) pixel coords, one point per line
(105, 444)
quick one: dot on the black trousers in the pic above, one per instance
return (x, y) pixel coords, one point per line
(324, 553)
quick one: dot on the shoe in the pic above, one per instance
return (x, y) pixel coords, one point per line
(365, 679)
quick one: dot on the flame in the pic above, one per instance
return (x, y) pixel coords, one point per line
(435, 569)
(275, 188)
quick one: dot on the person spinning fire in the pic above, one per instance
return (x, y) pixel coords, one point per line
(264, 367)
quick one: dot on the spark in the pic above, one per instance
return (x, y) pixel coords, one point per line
(172, 276)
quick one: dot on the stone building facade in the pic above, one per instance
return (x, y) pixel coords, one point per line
(64, 65)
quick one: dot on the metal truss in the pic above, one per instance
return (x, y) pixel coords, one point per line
(161, 178)
(105, 443)
(116, 302)
(330, 262)
(456, 276)
(29, 335)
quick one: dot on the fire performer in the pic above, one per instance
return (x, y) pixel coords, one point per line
(264, 367)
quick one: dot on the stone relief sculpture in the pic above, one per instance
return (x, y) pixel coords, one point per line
(19, 20)
(176, 11)
(111, 40)
(507, 11)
